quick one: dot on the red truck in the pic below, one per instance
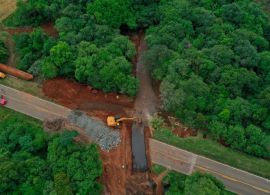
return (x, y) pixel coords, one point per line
(3, 100)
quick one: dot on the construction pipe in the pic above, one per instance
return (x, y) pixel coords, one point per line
(15, 72)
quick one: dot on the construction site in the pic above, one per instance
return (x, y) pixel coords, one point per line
(68, 65)
(126, 158)
(123, 142)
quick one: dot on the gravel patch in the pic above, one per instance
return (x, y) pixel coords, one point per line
(105, 137)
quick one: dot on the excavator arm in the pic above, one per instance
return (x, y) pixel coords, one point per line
(113, 122)
(126, 119)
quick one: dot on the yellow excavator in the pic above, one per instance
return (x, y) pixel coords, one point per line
(2, 75)
(114, 121)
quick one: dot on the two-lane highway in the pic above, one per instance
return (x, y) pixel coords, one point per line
(235, 180)
(31, 105)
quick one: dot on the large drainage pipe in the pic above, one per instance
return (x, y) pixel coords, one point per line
(15, 72)
(139, 160)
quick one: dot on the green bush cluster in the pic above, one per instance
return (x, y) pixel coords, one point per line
(33, 162)
(212, 58)
(197, 183)
(32, 48)
(84, 25)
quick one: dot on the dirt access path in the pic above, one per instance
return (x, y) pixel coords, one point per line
(12, 60)
(146, 103)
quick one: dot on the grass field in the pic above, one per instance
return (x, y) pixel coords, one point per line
(26, 86)
(157, 169)
(216, 151)
(6, 8)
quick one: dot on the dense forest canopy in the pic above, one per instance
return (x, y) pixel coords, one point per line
(90, 47)
(213, 61)
(211, 57)
(33, 162)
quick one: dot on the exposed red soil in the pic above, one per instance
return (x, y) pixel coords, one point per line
(117, 164)
(222, 142)
(96, 103)
(117, 177)
(180, 129)
(158, 181)
(48, 28)
(184, 132)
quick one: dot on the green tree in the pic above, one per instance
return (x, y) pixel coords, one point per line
(117, 12)
(61, 57)
(236, 137)
(62, 184)
(3, 52)
(203, 184)
(232, 13)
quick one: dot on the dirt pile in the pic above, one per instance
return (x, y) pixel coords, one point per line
(53, 125)
(140, 183)
(105, 137)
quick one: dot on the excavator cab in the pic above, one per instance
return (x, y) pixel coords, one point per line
(111, 121)
(114, 121)
(2, 75)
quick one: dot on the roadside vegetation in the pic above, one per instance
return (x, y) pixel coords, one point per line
(213, 150)
(34, 162)
(212, 59)
(197, 183)
(33, 88)
(3, 51)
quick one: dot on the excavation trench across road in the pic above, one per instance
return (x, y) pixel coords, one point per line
(235, 180)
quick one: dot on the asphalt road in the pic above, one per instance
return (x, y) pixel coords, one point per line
(31, 105)
(235, 180)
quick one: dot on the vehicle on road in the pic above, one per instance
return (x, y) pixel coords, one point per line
(3, 100)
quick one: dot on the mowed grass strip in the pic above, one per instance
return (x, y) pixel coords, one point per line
(27, 86)
(7, 7)
(6, 113)
(157, 169)
(216, 151)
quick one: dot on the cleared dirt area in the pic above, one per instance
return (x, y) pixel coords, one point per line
(6, 8)
(146, 100)
(96, 103)
(117, 164)
(118, 176)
